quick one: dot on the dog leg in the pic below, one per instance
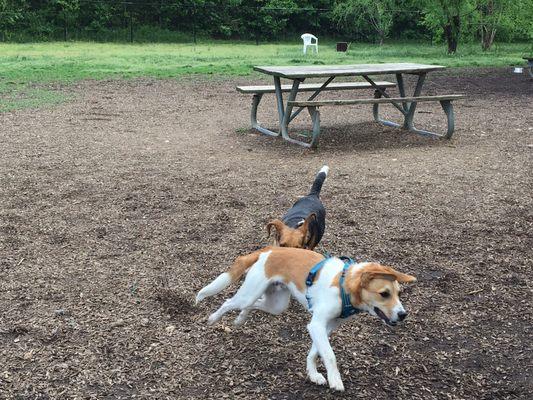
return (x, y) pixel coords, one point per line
(252, 289)
(319, 334)
(275, 301)
(312, 372)
(242, 317)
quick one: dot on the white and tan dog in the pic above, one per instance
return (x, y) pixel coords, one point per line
(276, 273)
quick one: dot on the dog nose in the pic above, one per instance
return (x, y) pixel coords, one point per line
(402, 315)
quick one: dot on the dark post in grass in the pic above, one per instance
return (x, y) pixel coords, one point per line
(131, 27)
(194, 23)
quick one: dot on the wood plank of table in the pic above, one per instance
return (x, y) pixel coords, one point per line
(311, 87)
(382, 100)
(316, 71)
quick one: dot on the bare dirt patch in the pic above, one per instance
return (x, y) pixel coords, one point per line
(118, 206)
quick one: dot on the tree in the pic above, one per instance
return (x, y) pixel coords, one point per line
(354, 15)
(494, 15)
(10, 12)
(263, 18)
(447, 15)
(276, 13)
(67, 12)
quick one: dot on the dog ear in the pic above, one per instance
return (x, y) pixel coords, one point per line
(355, 284)
(400, 277)
(277, 224)
(304, 228)
(384, 272)
(404, 278)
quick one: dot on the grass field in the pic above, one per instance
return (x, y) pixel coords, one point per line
(26, 67)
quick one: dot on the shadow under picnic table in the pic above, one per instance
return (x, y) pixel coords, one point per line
(360, 136)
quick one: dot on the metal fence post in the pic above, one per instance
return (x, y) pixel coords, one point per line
(131, 26)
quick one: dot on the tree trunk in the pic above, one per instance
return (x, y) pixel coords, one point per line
(487, 37)
(451, 32)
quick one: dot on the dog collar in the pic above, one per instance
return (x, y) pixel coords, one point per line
(347, 308)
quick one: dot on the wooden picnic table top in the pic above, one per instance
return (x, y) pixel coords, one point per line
(315, 71)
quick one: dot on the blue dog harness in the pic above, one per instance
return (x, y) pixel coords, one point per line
(347, 309)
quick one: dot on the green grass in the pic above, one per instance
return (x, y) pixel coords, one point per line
(27, 64)
(15, 96)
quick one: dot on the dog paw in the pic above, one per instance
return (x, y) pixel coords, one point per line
(212, 319)
(317, 378)
(239, 321)
(335, 383)
(199, 298)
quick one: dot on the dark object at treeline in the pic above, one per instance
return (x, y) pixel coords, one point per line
(342, 46)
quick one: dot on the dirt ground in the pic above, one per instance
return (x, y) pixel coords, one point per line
(118, 206)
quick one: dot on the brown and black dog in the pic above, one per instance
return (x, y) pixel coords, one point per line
(304, 224)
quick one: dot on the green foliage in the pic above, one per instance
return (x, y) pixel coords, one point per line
(10, 13)
(352, 15)
(260, 20)
(509, 20)
(484, 20)
(446, 17)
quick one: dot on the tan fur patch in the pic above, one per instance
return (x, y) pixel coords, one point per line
(371, 294)
(289, 237)
(374, 274)
(293, 265)
(337, 279)
(243, 263)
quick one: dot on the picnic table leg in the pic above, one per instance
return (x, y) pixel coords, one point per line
(312, 97)
(313, 112)
(411, 107)
(380, 92)
(253, 116)
(281, 110)
(288, 110)
(375, 111)
(279, 99)
(408, 110)
(446, 106)
(315, 115)
(401, 89)
(284, 125)
(450, 122)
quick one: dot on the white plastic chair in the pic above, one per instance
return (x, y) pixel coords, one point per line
(308, 42)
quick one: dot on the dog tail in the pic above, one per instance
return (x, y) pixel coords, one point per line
(319, 181)
(241, 265)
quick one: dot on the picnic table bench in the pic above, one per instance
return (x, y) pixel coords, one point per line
(260, 90)
(529, 60)
(405, 104)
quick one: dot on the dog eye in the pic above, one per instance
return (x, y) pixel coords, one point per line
(385, 294)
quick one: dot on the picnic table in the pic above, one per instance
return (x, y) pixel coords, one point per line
(405, 104)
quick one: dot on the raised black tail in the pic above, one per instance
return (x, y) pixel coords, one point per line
(319, 181)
